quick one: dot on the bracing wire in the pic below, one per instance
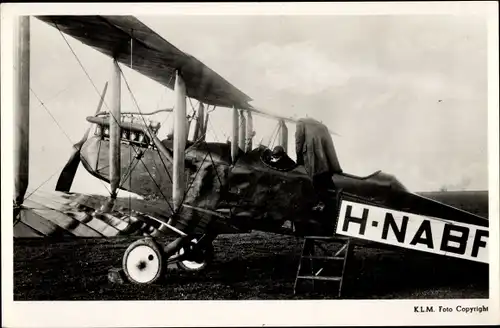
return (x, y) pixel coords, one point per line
(116, 120)
(129, 169)
(168, 115)
(163, 163)
(195, 175)
(135, 101)
(274, 135)
(218, 177)
(213, 129)
(91, 81)
(139, 157)
(86, 73)
(80, 63)
(62, 130)
(192, 107)
(133, 96)
(59, 93)
(93, 84)
(157, 186)
(209, 153)
(110, 113)
(144, 120)
(43, 183)
(161, 98)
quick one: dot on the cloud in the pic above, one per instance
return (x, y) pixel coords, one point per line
(377, 84)
(299, 67)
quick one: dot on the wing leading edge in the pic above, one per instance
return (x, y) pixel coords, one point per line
(151, 56)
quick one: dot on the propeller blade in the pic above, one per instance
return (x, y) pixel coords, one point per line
(69, 171)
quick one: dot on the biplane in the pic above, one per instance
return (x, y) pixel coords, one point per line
(196, 189)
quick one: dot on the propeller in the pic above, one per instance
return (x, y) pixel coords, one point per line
(68, 173)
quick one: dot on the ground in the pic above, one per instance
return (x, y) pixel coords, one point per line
(250, 266)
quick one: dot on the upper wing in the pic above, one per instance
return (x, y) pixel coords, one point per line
(154, 57)
(151, 56)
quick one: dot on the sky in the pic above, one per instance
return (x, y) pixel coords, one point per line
(406, 94)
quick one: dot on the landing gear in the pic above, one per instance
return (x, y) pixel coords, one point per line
(197, 255)
(143, 261)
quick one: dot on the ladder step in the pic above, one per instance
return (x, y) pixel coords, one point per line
(320, 278)
(317, 257)
(308, 252)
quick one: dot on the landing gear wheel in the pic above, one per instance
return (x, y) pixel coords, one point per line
(197, 258)
(143, 261)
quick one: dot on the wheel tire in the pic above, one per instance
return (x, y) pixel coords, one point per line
(196, 265)
(143, 262)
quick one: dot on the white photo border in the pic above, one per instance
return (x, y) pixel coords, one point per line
(244, 313)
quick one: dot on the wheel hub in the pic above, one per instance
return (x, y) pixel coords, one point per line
(195, 259)
(142, 264)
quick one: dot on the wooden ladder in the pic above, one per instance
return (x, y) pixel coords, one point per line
(329, 266)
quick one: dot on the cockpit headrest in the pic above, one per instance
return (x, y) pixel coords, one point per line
(278, 151)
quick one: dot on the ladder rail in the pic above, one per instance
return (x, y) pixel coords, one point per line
(308, 253)
(299, 266)
(348, 251)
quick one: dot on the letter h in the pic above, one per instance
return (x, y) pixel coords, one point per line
(361, 221)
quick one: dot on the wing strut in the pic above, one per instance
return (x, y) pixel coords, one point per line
(22, 112)
(235, 135)
(250, 132)
(180, 134)
(114, 130)
(198, 129)
(283, 135)
(243, 130)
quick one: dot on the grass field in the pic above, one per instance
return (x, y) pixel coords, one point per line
(248, 266)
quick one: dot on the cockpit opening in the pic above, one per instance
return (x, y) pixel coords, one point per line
(278, 159)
